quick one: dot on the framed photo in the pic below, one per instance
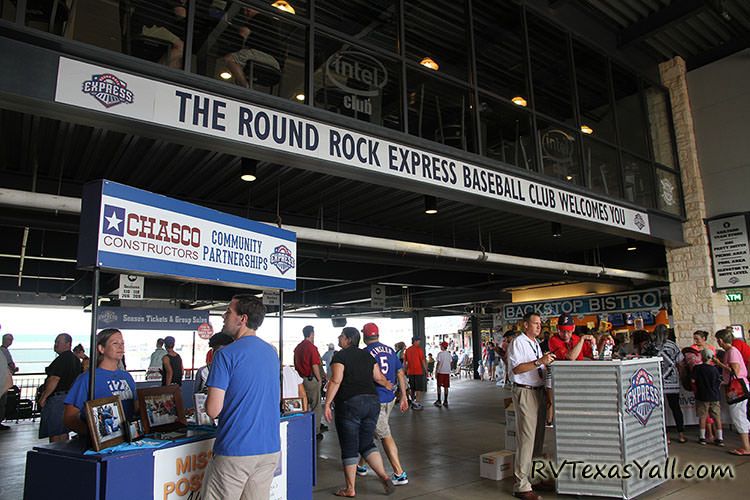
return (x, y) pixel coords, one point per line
(291, 405)
(135, 431)
(161, 409)
(106, 421)
(201, 417)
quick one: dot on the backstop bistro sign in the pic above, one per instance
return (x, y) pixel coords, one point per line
(198, 112)
(596, 304)
(127, 229)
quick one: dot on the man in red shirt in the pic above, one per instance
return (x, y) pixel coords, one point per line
(744, 349)
(416, 370)
(566, 345)
(307, 364)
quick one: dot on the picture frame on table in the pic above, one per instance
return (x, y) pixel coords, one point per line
(135, 431)
(106, 421)
(291, 405)
(201, 417)
(161, 409)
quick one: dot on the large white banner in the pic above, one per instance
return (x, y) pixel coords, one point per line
(115, 92)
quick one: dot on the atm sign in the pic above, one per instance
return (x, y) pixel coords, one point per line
(734, 296)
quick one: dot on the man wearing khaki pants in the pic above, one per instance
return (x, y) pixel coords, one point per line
(528, 368)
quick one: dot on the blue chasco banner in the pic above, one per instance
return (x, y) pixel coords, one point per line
(596, 304)
(124, 229)
(133, 318)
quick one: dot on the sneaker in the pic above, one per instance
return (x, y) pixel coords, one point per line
(361, 470)
(437, 403)
(400, 480)
(4, 427)
(719, 442)
(417, 407)
(702, 440)
(445, 404)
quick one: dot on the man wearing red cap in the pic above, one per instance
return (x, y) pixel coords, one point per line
(566, 345)
(391, 367)
(416, 370)
(443, 374)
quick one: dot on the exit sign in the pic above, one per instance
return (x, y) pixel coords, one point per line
(734, 296)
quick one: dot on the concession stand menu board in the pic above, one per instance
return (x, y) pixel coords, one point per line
(730, 251)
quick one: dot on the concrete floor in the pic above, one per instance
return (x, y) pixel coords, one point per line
(440, 450)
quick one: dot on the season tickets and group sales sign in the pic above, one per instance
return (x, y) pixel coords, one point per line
(127, 229)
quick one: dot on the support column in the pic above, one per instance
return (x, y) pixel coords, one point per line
(695, 306)
(476, 344)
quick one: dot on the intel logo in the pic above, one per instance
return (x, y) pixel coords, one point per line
(369, 74)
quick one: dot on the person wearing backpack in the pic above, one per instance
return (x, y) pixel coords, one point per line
(671, 359)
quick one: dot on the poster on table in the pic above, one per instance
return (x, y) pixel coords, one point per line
(124, 229)
(179, 471)
(730, 252)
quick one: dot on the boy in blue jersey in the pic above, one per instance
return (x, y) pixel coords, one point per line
(243, 392)
(391, 367)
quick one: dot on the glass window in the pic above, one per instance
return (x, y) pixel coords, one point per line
(601, 167)
(369, 21)
(8, 10)
(506, 133)
(439, 111)
(354, 82)
(592, 82)
(550, 70)
(52, 16)
(631, 120)
(668, 193)
(501, 55)
(638, 178)
(151, 30)
(660, 125)
(251, 48)
(560, 151)
(437, 30)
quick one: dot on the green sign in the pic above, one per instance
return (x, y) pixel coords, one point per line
(734, 296)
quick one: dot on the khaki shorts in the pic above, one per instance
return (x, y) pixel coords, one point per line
(161, 33)
(703, 408)
(382, 429)
(243, 56)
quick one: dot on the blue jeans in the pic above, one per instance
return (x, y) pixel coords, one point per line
(355, 420)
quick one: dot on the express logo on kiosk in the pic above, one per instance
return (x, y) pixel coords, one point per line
(642, 397)
(108, 90)
(282, 258)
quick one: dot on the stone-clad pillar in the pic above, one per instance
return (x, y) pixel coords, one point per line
(694, 305)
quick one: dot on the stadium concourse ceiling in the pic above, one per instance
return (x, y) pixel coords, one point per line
(38, 248)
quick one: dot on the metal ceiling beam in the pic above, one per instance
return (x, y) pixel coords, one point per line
(674, 13)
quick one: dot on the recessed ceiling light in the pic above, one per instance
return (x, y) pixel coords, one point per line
(300, 97)
(225, 75)
(587, 130)
(568, 177)
(430, 63)
(519, 101)
(284, 6)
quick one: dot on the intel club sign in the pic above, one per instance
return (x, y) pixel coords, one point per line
(597, 304)
(124, 229)
(360, 76)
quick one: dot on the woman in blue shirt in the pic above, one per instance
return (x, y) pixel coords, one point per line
(109, 380)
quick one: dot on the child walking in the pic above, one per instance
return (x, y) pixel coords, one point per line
(707, 380)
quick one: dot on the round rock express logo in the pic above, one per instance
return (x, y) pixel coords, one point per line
(108, 90)
(282, 258)
(642, 397)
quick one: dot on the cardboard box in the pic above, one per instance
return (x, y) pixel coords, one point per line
(510, 438)
(496, 465)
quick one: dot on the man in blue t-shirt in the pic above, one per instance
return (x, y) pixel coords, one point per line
(244, 394)
(391, 367)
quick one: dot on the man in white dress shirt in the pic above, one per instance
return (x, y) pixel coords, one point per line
(528, 366)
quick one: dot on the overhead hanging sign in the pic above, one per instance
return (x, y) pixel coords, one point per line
(124, 229)
(730, 252)
(131, 287)
(136, 318)
(595, 304)
(122, 94)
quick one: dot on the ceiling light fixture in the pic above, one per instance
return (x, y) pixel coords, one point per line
(430, 205)
(249, 169)
(568, 177)
(430, 63)
(556, 230)
(587, 130)
(283, 5)
(300, 97)
(632, 246)
(519, 101)
(225, 75)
